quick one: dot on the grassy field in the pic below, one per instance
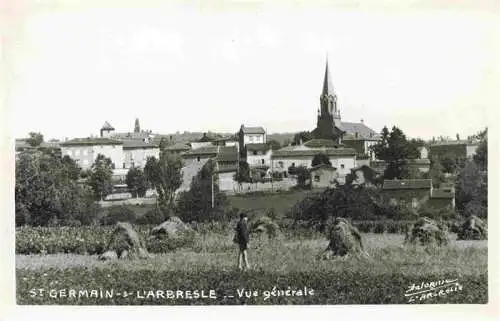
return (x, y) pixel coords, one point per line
(280, 202)
(210, 264)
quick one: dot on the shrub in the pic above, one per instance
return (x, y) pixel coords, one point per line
(118, 213)
(153, 217)
(379, 227)
(168, 244)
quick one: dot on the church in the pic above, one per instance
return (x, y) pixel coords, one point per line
(346, 144)
(331, 127)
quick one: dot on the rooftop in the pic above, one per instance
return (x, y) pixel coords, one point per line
(178, 146)
(107, 126)
(252, 130)
(363, 132)
(398, 184)
(311, 152)
(322, 166)
(318, 143)
(258, 147)
(91, 141)
(453, 143)
(135, 143)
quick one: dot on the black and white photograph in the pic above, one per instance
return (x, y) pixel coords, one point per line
(250, 153)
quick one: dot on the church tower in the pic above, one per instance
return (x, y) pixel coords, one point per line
(329, 122)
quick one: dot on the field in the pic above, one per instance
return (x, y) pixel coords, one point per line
(280, 202)
(277, 266)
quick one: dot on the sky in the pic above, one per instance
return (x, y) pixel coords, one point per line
(191, 67)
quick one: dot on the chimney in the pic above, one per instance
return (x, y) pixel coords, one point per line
(362, 121)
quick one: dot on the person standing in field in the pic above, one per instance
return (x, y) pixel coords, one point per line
(242, 239)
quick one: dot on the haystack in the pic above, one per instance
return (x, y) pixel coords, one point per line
(265, 226)
(473, 228)
(427, 232)
(171, 228)
(344, 239)
(125, 242)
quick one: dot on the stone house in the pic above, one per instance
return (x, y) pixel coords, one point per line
(323, 176)
(84, 151)
(460, 149)
(258, 155)
(412, 193)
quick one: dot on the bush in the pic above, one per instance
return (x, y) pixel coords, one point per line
(169, 244)
(152, 217)
(118, 213)
(379, 227)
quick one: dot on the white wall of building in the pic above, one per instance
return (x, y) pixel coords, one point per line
(254, 139)
(85, 155)
(138, 156)
(471, 150)
(263, 158)
(282, 163)
(196, 145)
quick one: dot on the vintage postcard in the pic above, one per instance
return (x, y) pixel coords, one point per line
(251, 153)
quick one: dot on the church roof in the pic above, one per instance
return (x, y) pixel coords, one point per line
(364, 132)
(327, 82)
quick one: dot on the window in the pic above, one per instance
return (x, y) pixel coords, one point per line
(113, 166)
(402, 202)
(316, 178)
(123, 165)
(293, 164)
(132, 164)
(342, 166)
(255, 152)
(198, 158)
(263, 161)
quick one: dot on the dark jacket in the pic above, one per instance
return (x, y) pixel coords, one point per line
(242, 233)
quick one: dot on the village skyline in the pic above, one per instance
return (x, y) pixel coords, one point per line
(425, 71)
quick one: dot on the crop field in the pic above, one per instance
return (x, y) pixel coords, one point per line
(280, 202)
(283, 271)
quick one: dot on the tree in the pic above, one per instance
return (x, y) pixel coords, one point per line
(448, 163)
(165, 175)
(243, 174)
(481, 156)
(274, 144)
(136, 181)
(163, 144)
(436, 172)
(303, 136)
(472, 190)
(72, 168)
(302, 176)
(35, 139)
(196, 203)
(395, 149)
(100, 177)
(320, 159)
(45, 193)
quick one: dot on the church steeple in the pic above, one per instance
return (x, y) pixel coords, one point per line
(327, 83)
(329, 122)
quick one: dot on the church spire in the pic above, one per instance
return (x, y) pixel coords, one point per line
(327, 82)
